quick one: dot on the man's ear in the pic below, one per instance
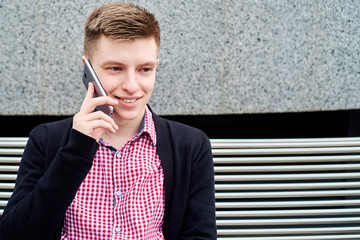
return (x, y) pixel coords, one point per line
(157, 62)
(83, 59)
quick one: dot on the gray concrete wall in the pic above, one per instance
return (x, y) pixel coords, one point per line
(217, 56)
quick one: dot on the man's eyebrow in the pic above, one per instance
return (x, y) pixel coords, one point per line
(150, 63)
(113, 62)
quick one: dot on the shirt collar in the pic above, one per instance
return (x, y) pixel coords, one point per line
(148, 126)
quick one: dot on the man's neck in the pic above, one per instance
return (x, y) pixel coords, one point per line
(127, 130)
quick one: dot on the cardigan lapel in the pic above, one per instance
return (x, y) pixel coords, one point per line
(165, 150)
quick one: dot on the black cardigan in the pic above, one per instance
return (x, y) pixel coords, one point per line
(57, 159)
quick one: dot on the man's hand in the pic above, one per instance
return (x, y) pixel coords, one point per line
(91, 123)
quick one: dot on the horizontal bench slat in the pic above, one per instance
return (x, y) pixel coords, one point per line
(5, 194)
(284, 140)
(288, 168)
(9, 168)
(8, 177)
(6, 160)
(13, 139)
(307, 237)
(287, 221)
(286, 177)
(282, 231)
(11, 151)
(7, 186)
(12, 144)
(284, 151)
(240, 145)
(286, 204)
(279, 186)
(286, 212)
(286, 159)
(289, 194)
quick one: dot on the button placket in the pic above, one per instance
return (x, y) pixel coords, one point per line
(118, 193)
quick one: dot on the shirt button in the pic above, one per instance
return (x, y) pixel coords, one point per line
(118, 193)
(118, 155)
(117, 229)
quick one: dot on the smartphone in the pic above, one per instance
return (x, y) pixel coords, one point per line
(89, 75)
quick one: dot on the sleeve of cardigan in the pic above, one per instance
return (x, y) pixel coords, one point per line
(41, 196)
(199, 219)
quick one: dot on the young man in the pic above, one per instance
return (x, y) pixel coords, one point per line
(132, 176)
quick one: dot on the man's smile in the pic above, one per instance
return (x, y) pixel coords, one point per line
(128, 100)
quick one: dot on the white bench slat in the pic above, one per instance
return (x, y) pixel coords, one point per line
(238, 145)
(11, 151)
(286, 212)
(7, 186)
(13, 139)
(281, 186)
(9, 168)
(6, 160)
(13, 144)
(285, 159)
(8, 177)
(287, 168)
(286, 204)
(5, 194)
(283, 140)
(287, 177)
(288, 221)
(287, 194)
(308, 237)
(280, 231)
(3, 203)
(285, 151)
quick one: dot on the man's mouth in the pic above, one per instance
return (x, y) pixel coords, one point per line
(128, 100)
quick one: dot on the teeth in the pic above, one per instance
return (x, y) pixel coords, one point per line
(129, 100)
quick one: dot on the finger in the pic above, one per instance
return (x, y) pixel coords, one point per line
(99, 115)
(90, 103)
(89, 95)
(100, 124)
(95, 129)
(96, 116)
(104, 100)
(90, 91)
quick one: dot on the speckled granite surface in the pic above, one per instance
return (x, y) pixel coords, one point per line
(217, 57)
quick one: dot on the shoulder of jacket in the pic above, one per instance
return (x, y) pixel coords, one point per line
(52, 130)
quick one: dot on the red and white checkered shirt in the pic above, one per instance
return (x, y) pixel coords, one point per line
(122, 197)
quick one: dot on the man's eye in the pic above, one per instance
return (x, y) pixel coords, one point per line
(146, 69)
(115, 69)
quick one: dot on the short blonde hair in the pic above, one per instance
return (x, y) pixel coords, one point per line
(123, 21)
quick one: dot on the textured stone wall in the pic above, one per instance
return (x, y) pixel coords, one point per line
(217, 56)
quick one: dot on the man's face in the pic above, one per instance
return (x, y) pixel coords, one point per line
(126, 69)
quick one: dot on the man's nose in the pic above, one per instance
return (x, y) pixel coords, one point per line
(129, 83)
